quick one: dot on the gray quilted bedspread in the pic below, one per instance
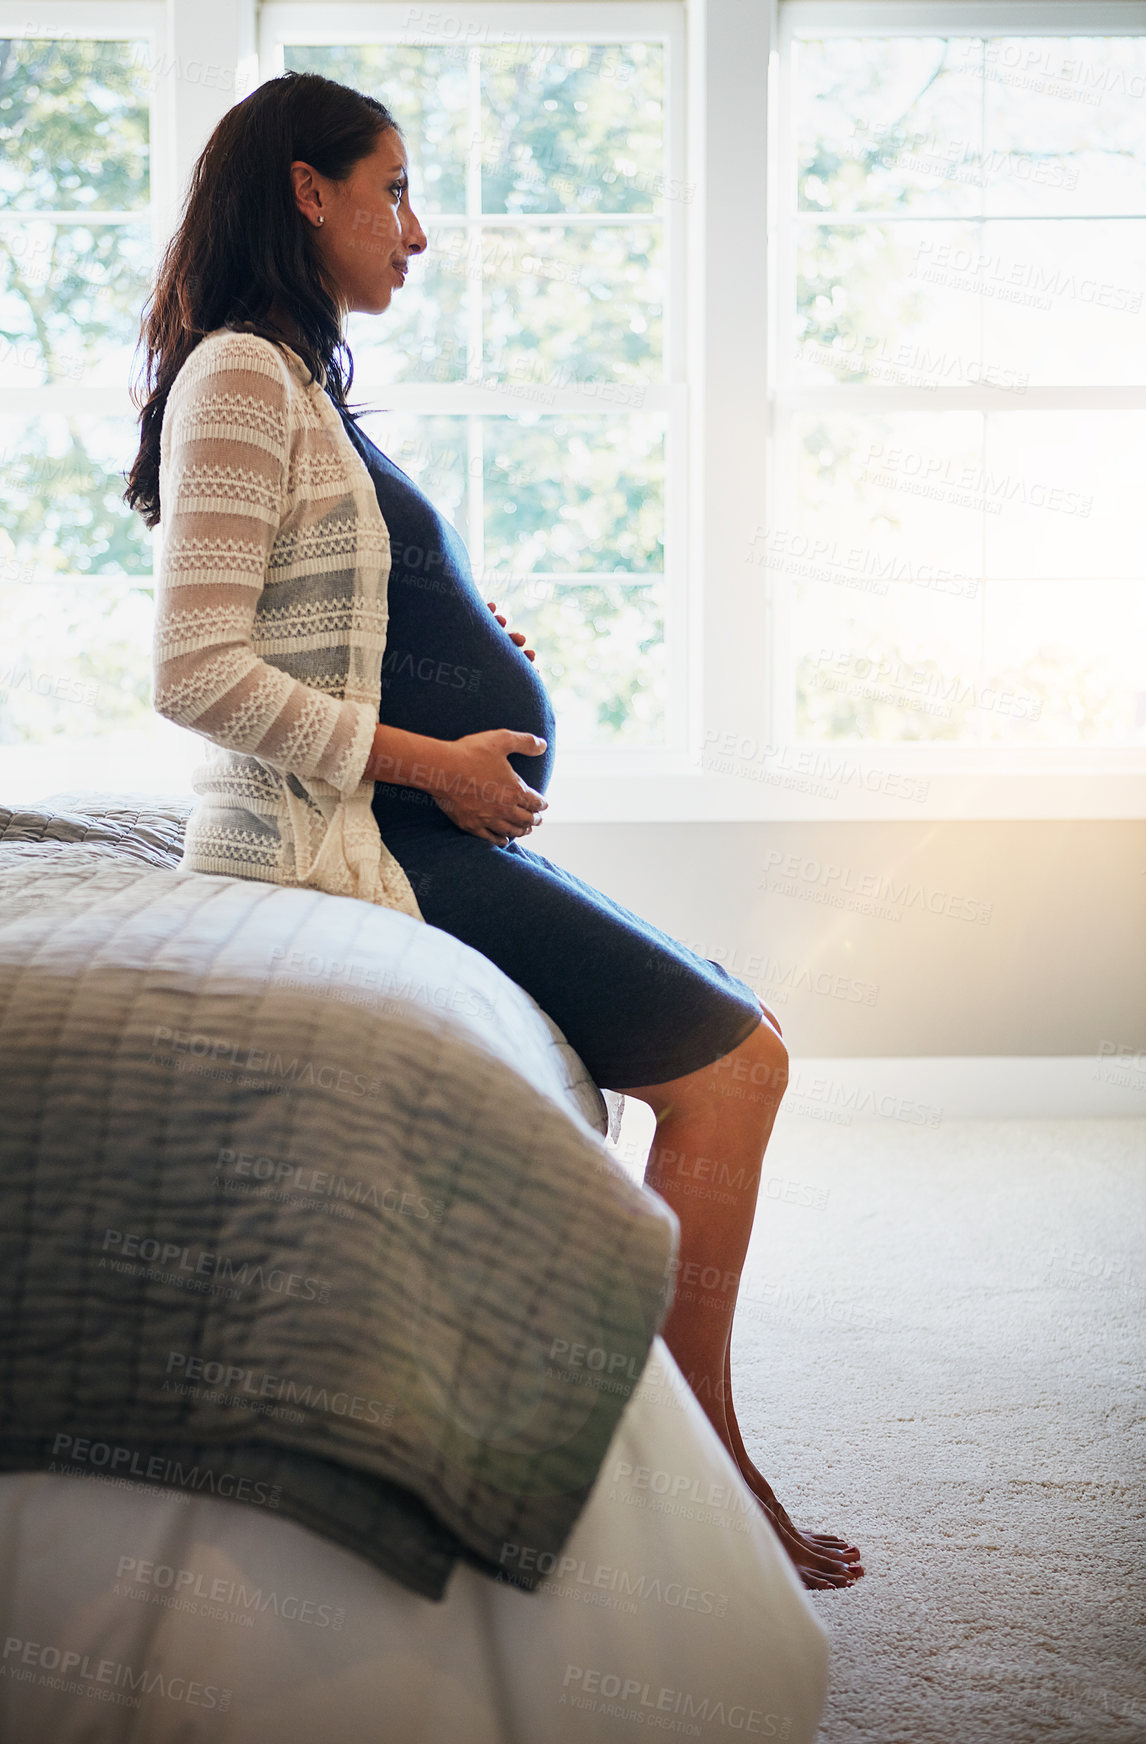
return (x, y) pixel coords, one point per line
(302, 1202)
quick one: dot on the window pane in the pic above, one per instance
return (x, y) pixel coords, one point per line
(600, 653)
(573, 127)
(866, 313)
(1065, 123)
(1060, 302)
(904, 624)
(882, 558)
(1013, 127)
(1068, 488)
(72, 662)
(880, 674)
(75, 564)
(574, 305)
(891, 489)
(1000, 304)
(1035, 680)
(880, 123)
(61, 481)
(73, 125)
(575, 493)
(1084, 667)
(71, 296)
(972, 576)
(1019, 494)
(1028, 669)
(968, 126)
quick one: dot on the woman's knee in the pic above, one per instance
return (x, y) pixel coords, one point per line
(757, 1069)
(761, 1060)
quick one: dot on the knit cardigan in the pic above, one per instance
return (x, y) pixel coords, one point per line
(270, 622)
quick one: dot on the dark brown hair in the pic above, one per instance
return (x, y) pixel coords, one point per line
(242, 244)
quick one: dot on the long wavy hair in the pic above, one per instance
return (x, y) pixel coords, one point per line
(242, 244)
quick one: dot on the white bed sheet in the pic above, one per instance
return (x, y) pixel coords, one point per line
(137, 1617)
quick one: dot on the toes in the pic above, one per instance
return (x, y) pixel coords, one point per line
(822, 1559)
(837, 1570)
(832, 1566)
(823, 1582)
(822, 1541)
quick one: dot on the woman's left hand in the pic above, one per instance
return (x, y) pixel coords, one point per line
(514, 635)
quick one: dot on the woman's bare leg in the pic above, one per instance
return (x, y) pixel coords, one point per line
(712, 1129)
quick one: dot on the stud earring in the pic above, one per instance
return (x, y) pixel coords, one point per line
(321, 219)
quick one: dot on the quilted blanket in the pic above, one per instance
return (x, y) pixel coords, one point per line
(302, 1202)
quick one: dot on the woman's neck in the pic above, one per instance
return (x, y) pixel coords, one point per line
(277, 324)
(277, 319)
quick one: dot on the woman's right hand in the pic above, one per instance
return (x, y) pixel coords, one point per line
(480, 790)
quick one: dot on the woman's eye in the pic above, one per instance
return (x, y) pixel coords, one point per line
(397, 188)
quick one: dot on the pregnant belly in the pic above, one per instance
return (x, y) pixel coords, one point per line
(449, 686)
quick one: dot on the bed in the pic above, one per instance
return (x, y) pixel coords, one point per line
(332, 1399)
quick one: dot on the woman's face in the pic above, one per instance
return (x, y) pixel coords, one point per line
(369, 231)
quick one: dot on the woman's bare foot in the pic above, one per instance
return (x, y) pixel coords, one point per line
(821, 1559)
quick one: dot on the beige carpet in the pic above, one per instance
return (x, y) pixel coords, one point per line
(940, 1354)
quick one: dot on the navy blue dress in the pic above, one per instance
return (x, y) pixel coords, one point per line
(638, 1007)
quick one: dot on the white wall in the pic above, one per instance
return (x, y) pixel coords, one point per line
(1052, 964)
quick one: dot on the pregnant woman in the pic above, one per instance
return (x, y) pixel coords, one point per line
(299, 214)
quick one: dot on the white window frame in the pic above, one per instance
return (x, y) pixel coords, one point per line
(465, 27)
(963, 780)
(718, 391)
(201, 60)
(84, 20)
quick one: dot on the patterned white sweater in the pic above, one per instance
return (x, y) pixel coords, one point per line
(270, 622)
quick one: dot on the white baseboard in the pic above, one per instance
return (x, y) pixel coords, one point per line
(929, 1089)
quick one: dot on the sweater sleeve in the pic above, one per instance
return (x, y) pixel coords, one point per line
(224, 460)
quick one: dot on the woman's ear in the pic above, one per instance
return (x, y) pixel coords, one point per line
(307, 194)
